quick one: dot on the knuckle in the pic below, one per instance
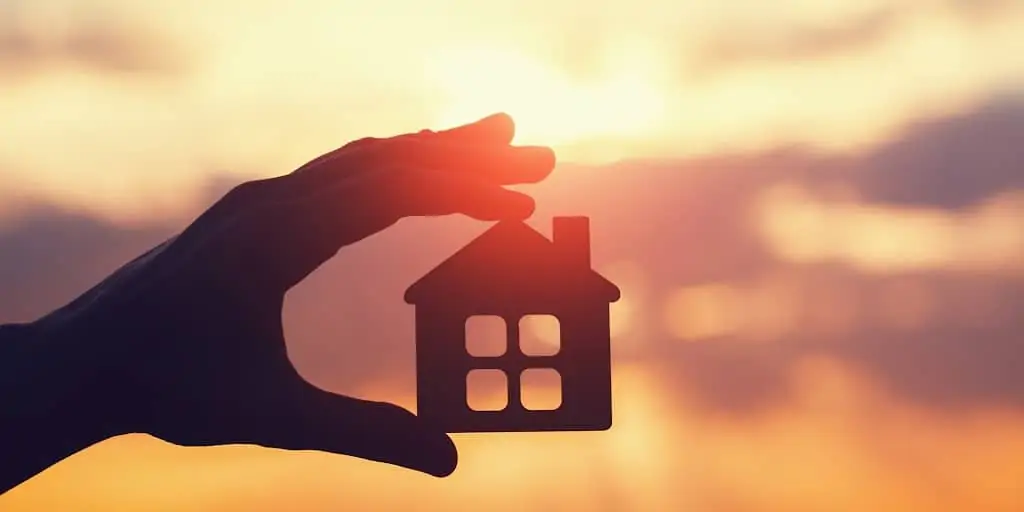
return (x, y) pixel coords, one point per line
(249, 190)
(405, 144)
(361, 142)
(242, 190)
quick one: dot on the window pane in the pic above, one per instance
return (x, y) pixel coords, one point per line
(486, 336)
(487, 390)
(541, 389)
(540, 335)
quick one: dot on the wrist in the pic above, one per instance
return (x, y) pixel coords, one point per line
(45, 416)
(53, 380)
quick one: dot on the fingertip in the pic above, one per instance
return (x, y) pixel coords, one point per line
(508, 205)
(522, 207)
(529, 164)
(493, 129)
(446, 460)
(499, 127)
(400, 437)
(502, 120)
(428, 449)
(543, 157)
(504, 116)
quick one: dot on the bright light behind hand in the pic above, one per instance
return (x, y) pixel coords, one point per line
(549, 105)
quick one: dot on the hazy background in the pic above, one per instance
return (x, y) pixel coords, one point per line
(815, 210)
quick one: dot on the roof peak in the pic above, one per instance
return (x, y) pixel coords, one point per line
(510, 244)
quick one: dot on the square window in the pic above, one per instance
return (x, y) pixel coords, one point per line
(486, 336)
(541, 389)
(487, 390)
(540, 335)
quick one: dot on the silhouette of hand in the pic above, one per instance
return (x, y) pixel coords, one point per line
(191, 332)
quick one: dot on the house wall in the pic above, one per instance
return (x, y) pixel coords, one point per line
(583, 363)
(441, 362)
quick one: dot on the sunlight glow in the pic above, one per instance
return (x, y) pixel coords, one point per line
(548, 105)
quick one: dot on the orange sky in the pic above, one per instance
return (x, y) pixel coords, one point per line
(129, 109)
(842, 445)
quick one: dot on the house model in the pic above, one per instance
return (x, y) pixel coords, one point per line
(512, 271)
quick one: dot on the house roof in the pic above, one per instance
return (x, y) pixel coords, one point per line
(511, 258)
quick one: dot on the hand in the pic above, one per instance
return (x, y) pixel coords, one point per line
(190, 334)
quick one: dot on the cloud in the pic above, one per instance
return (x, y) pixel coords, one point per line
(99, 42)
(950, 162)
(735, 50)
(937, 336)
(49, 255)
(798, 43)
(940, 338)
(980, 8)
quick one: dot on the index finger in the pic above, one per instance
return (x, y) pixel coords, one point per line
(496, 129)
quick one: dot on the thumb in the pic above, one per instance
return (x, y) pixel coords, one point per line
(376, 431)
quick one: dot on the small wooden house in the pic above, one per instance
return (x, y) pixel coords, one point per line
(512, 271)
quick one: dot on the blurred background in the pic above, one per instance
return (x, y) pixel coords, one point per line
(814, 208)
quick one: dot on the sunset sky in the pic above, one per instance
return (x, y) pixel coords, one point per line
(813, 208)
(125, 106)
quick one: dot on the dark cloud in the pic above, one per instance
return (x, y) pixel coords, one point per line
(102, 43)
(51, 255)
(950, 162)
(684, 223)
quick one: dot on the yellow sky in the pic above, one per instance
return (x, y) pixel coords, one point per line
(840, 445)
(176, 91)
(128, 108)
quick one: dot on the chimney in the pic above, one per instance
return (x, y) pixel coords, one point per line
(571, 236)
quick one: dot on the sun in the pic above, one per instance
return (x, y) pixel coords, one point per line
(550, 106)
